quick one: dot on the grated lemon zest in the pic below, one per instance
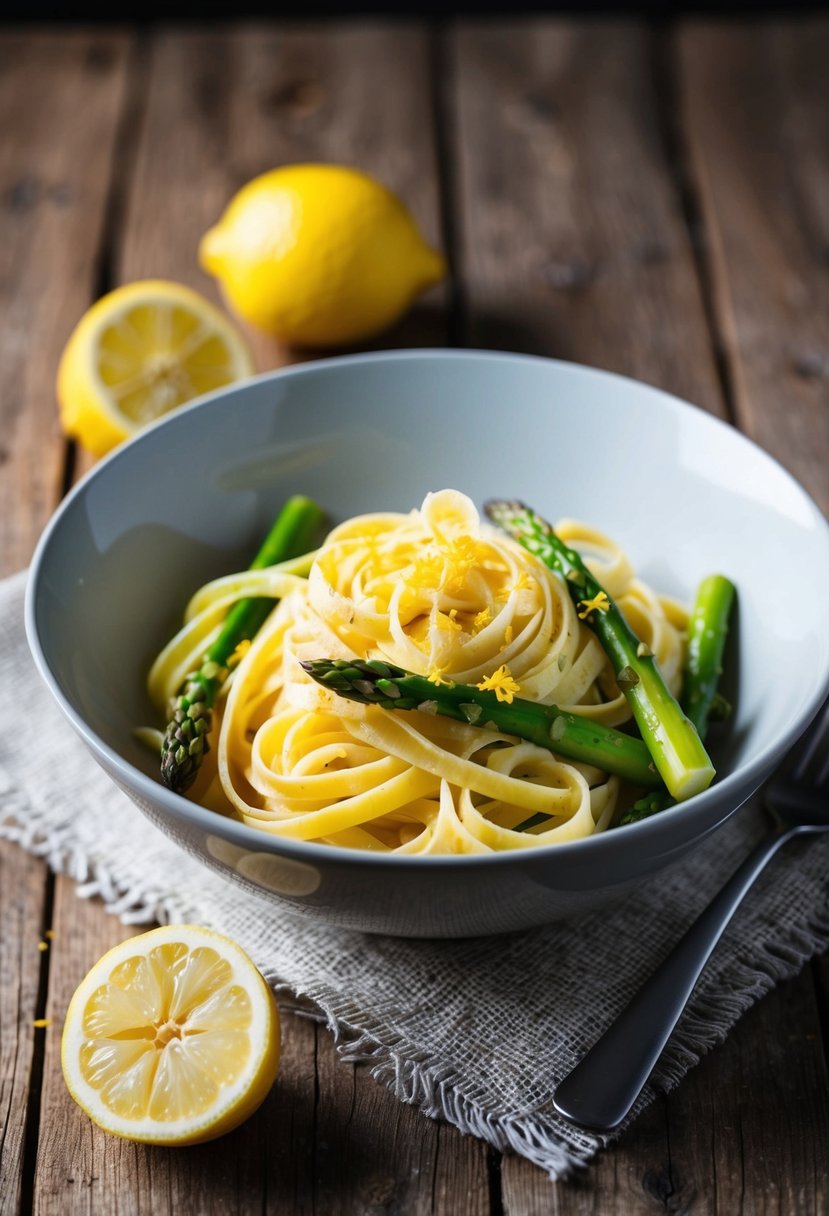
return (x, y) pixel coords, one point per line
(501, 683)
(519, 585)
(599, 603)
(448, 621)
(482, 618)
(239, 653)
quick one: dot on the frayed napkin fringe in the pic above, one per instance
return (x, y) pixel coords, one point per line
(24, 825)
(436, 1091)
(712, 1012)
(555, 1145)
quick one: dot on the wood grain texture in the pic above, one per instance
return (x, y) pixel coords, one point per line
(78, 1168)
(328, 1138)
(572, 235)
(618, 1183)
(577, 240)
(375, 1154)
(750, 1130)
(23, 903)
(755, 111)
(263, 1164)
(577, 230)
(53, 196)
(250, 100)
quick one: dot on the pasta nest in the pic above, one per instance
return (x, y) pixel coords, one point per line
(442, 594)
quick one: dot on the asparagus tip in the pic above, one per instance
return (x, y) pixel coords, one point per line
(185, 741)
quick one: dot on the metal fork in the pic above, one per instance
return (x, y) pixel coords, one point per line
(602, 1088)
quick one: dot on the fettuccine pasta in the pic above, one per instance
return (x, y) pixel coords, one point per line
(440, 593)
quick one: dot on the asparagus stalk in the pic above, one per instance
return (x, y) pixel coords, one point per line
(707, 633)
(671, 738)
(373, 682)
(294, 532)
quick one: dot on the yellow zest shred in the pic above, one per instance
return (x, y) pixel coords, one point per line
(428, 571)
(482, 618)
(42, 946)
(463, 555)
(435, 676)
(599, 603)
(501, 683)
(41, 1023)
(239, 653)
(520, 583)
(448, 621)
(460, 549)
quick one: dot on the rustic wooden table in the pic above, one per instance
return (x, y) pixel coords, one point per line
(655, 201)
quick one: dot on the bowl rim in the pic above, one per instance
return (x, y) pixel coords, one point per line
(749, 777)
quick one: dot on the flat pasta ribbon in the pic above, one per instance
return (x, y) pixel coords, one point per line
(441, 594)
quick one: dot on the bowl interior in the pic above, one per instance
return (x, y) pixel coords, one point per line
(192, 496)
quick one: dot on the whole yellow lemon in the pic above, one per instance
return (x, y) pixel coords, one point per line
(319, 255)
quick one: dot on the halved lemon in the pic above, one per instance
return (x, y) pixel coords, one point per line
(172, 1037)
(139, 352)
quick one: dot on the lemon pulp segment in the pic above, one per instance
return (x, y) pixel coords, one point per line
(173, 1040)
(140, 352)
(154, 357)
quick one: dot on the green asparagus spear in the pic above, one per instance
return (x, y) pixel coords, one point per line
(671, 738)
(707, 632)
(376, 683)
(295, 531)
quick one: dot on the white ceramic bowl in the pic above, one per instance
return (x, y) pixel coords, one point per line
(188, 499)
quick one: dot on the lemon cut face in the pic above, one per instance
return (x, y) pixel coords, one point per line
(172, 1038)
(142, 351)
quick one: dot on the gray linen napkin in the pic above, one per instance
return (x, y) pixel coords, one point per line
(474, 1032)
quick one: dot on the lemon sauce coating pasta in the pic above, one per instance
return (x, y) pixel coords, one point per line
(443, 595)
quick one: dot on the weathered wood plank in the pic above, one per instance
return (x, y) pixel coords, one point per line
(574, 243)
(263, 1164)
(23, 897)
(376, 1154)
(744, 1133)
(248, 100)
(620, 1182)
(52, 201)
(221, 107)
(757, 119)
(53, 193)
(76, 1163)
(750, 1130)
(572, 236)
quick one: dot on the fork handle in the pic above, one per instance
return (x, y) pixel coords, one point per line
(602, 1088)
